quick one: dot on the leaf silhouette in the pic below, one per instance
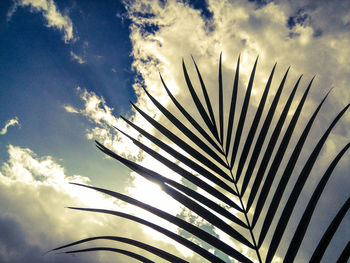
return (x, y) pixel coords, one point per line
(161, 253)
(245, 186)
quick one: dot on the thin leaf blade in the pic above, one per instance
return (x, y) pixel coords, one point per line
(190, 118)
(156, 251)
(221, 104)
(205, 93)
(192, 246)
(193, 165)
(261, 138)
(287, 211)
(286, 174)
(327, 236)
(186, 147)
(253, 127)
(192, 178)
(172, 219)
(306, 218)
(186, 131)
(279, 154)
(241, 121)
(198, 103)
(232, 108)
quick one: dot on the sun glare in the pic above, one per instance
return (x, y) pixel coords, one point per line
(151, 193)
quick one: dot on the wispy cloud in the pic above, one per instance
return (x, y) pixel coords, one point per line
(70, 109)
(9, 123)
(77, 58)
(50, 12)
(103, 120)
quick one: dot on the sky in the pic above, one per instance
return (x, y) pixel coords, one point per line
(68, 70)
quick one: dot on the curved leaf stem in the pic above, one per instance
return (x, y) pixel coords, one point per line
(248, 223)
(245, 212)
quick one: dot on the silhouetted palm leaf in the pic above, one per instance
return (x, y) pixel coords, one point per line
(213, 157)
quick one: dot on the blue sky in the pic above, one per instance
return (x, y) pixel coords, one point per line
(69, 68)
(46, 79)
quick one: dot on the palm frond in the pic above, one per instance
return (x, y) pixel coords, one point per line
(211, 155)
(159, 252)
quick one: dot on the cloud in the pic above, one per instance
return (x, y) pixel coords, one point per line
(103, 120)
(16, 248)
(11, 122)
(33, 196)
(70, 109)
(101, 116)
(50, 12)
(33, 219)
(314, 42)
(309, 37)
(160, 39)
(77, 58)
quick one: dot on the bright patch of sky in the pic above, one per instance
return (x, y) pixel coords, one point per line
(69, 68)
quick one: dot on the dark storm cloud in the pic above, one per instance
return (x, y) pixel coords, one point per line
(15, 248)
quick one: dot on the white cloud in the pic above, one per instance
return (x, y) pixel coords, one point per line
(70, 109)
(34, 193)
(11, 122)
(77, 58)
(240, 28)
(101, 115)
(319, 45)
(50, 12)
(98, 113)
(96, 110)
